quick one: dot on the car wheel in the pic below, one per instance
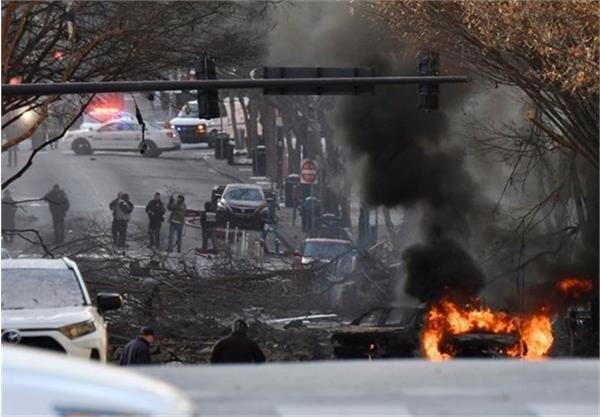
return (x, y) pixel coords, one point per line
(148, 149)
(81, 147)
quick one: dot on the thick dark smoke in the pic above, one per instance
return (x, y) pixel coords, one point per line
(410, 157)
(407, 154)
(441, 268)
(409, 160)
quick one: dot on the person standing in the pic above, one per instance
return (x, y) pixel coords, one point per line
(176, 221)
(208, 221)
(9, 210)
(237, 347)
(122, 213)
(113, 208)
(58, 203)
(156, 211)
(137, 352)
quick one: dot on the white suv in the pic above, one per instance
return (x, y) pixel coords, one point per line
(45, 304)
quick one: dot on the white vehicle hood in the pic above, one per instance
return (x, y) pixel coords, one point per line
(45, 318)
(36, 383)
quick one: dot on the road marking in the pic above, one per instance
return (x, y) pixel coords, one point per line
(334, 410)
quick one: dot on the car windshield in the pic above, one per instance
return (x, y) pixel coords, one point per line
(325, 250)
(189, 110)
(400, 317)
(40, 288)
(244, 194)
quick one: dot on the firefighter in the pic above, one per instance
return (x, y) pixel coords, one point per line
(237, 347)
(58, 203)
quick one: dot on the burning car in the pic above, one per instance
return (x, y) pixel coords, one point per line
(470, 329)
(384, 332)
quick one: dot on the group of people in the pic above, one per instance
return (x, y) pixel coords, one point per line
(58, 204)
(121, 208)
(235, 348)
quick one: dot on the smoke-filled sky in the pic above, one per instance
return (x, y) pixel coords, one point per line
(410, 158)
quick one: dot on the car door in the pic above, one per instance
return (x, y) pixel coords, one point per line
(105, 137)
(129, 136)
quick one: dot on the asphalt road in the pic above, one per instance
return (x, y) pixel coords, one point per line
(91, 182)
(507, 388)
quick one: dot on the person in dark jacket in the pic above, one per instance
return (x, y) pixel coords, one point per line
(237, 347)
(121, 209)
(9, 210)
(208, 221)
(176, 221)
(58, 203)
(112, 205)
(137, 352)
(156, 211)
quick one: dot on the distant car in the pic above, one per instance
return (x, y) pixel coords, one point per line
(324, 250)
(191, 130)
(243, 205)
(45, 304)
(122, 135)
(36, 383)
(386, 332)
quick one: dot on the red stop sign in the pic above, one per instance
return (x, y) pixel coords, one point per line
(308, 172)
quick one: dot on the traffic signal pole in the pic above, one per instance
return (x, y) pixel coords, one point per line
(43, 89)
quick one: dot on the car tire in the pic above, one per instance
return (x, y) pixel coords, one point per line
(81, 147)
(149, 149)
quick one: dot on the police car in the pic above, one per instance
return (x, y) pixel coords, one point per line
(122, 135)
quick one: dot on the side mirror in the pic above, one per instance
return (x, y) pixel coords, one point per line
(108, 301)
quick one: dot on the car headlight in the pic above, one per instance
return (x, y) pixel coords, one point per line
(73, 331)
(201, 128)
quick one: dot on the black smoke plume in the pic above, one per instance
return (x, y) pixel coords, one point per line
(410, 160)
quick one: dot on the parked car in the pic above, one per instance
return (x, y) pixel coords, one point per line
(45, 304)
(122, 135)
(244, 206)
(324, 250)
(385, 332)
(36, 383)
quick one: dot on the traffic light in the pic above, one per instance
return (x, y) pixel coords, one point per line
(208, 100)
(429, 94)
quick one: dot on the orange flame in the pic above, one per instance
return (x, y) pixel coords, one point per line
(448, 318)
(575, 286)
